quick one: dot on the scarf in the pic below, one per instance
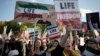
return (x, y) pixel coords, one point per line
(71, 53)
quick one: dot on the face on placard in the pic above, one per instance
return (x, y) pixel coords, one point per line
(45, 16)
(38, 43)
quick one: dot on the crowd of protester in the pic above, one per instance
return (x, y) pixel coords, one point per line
(17, 46)
(69, 44)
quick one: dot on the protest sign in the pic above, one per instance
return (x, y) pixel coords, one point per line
(28, 12)
(34, 32)
(53, 32)
(68, 12)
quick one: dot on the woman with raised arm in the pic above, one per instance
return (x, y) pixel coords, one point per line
(66, 45)
(67, 41)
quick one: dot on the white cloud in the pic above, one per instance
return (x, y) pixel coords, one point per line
(29, 0)
(84, 11)
(34, 0)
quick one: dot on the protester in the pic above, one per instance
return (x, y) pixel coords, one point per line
(28, 48)
(37, 50)
(44, 45)
(82, 44)
(13, 51)
(91, 48)
(55, 49)
(1, 45)
(67, 45)
(6, 47)
(68, 50)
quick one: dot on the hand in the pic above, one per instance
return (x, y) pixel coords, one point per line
(69, 27)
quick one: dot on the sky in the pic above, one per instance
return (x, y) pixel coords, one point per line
(7, 7)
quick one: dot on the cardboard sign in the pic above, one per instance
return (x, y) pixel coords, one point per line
(68, 12)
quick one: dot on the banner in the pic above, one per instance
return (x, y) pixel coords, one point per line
(53, 33)
(68, 12)
(27, 12)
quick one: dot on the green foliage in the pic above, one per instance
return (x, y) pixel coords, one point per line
(17, 27)
(2, 24)
(12, 25)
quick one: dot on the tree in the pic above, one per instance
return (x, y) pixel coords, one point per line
(2, 24)
(14, 26)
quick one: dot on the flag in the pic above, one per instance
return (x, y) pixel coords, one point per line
(53, 33)
(26, 11)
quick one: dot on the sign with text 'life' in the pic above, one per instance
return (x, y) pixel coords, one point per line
(53, 32)
(68, 12)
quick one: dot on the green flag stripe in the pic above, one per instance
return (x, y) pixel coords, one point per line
(36, 6)
(93, 50)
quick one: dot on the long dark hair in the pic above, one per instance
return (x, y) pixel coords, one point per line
(41, 47)
(57, 42)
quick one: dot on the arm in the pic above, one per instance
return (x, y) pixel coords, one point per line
(94, 30)
(63, 40)
(65, 37)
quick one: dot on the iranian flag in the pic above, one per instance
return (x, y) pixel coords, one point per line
(30, 11)
(53, 33)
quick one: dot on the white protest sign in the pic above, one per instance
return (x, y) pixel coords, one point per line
(53, 32)
(34, 32)
(68, 12)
